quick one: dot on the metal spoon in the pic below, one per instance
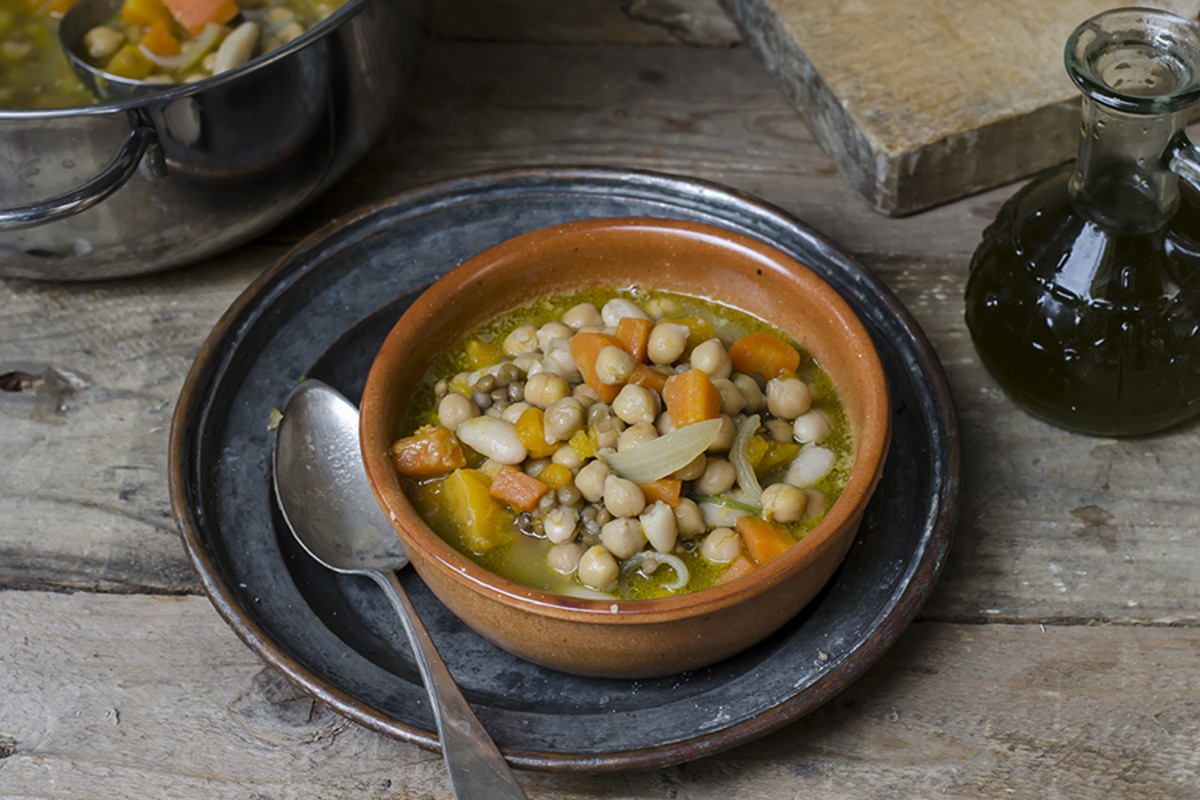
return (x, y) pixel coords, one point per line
(81, 18)
(322, 490)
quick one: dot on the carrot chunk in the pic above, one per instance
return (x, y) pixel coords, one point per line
(517, 489)
(634, 334)
(648, 378)
(691, 397)
(764, 540)
(764, 353)
(195, 15)
(432, 452)
(585, 348)
(664, 489)
(740, 566)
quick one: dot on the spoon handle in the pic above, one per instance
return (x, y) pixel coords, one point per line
(477, 770)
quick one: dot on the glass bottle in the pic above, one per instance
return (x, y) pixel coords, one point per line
(1083, 298)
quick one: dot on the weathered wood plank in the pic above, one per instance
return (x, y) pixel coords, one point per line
(643, 22)
(185, 710)
(709, 113)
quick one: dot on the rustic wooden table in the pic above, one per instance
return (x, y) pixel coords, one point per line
(1058, 656)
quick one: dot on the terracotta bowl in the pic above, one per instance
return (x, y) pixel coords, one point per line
(620, 638)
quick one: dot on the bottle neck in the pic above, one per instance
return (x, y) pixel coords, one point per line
(1122, 179)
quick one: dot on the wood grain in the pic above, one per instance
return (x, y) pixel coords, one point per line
(179, 708)
(921, 103)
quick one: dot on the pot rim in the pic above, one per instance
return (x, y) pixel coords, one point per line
(872, 439)
(340, 17)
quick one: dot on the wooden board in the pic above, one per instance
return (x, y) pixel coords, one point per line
(921, 103)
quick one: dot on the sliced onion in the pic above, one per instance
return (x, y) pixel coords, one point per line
(206, 41)
(740, 458)
(659, 457)
(682, 574)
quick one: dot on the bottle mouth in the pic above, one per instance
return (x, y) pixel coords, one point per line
(1138, 60)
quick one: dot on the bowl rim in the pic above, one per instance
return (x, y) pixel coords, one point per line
(872, 437)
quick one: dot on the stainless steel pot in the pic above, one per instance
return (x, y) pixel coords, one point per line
(157, 181)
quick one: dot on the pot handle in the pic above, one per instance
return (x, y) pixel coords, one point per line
(88, 194)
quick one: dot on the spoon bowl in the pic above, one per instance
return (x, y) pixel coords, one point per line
(81, 18)
(322, 490)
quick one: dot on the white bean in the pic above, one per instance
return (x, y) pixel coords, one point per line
(597, 568)
(810, 465)
(618, 308)
(492, 438)
(623, 537)
(788, 398)
(623, 498)
(102, 41)
(590, 480)
(658, 523)
(237, 48)
(667, 342)
(812, 426)
(721, 546)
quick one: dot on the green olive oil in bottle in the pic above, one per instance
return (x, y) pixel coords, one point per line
(1084, 296)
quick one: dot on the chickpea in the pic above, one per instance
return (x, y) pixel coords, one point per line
(725, 436)
(779, 430)
(718, 478)
(623, 537)
(614, 366)
(584, 315)
(569, 496)
(664, 424)
(608, 432)
(514, 411)
(783, 502)
(590, 480)
(545, 388)
(562, 419)
(812, 426)
(549, 332)
(721, 546)
(585, 395)
(667, 342)
(560, 524)
(534, 466)
(693, 470)
(597, 568)
(455, 409)
(102, 41)
(751, 392)
(623, 498)
(659, 526)
(732, 399)
(636, 404)
(567, 456)
(711, 357)
(618, 308)
(788, 398)
(635, 435)
(564, 558)
(521, 341)
(689, 520)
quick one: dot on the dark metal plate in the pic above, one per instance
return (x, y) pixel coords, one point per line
(322, 312)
